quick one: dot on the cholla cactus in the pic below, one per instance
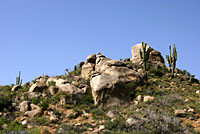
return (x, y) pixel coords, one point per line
(144, 55)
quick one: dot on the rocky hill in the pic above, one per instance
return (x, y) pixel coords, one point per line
(105, 96)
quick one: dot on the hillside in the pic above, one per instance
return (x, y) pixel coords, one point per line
(105, 96)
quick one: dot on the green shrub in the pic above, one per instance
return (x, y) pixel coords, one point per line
(40, 121)
(87, 99)
(35, 100)
(6, 88)
(51, 83)
(116, 124)
(156, 72)
(5, 100)
(44, 104)
(14, 126)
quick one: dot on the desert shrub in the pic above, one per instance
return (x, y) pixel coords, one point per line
(44, 103)
(14, 126)
(23, 90)
(5, 100)
(6, 88)
(97, 113)
(134, 65)
(159, 123)
(40, 121)
(156, 72)
(67, 128)
(56, 98)
(35, 100)
(87, 99)
(51, 83)
(57, 113)
(185, 72)
(116, 124)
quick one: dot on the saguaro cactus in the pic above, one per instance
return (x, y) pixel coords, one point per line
(19, 80)
(169, 58)
(174, 59)
(144, 55)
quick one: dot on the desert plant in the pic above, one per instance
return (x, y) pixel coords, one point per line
(19, 80)
(44, 104)
(171, 59)
(144, 55)
(174, 59)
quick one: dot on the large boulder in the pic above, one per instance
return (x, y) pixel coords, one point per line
(109, 83)
(100, 60)
(86, 69)
(91, 58)
(15, 88)
(38, 87)
(24, 106)
(41, 79)
(155, 56)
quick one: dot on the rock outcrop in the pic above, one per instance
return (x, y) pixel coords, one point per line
(155, 56)
(38, 87)
(88, 66)
(15, 88)
(109, 82)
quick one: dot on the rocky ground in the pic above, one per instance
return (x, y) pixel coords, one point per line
(104, 96)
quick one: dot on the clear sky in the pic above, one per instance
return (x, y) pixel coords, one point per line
(47, 36)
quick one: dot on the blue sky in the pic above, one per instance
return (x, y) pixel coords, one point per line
(47, 36)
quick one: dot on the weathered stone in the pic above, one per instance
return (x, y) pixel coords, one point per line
(38, 87)
(24, 122)
(148, 98)
(155, 56)
(15, 88)
(24, 106)
(33, 113)
(61, 82)
(50, 80)
(112, 114)
(34, 107)
(52, 116)
(80, 64)
(180, 112)
(86, 70)
(41, 79)
(26, 85)
(109, 85)
(131, 122)
(139, 98)
(101, 127)
(198, 91)
(53, 90)
(75, 83)
(91, 58)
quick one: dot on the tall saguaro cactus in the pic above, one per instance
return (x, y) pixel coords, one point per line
(174, 59)
(171, 59)
(144, 55)
(19, 80)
